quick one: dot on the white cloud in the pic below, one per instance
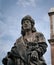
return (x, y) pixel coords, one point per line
(2, 23)
(25, 3)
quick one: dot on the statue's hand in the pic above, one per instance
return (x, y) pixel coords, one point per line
(34, 55)
(4, 61)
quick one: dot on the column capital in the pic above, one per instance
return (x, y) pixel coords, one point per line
(51, 11)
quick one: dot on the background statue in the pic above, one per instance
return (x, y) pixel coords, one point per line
(29, 48)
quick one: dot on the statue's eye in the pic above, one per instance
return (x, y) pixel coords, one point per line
(27, 21)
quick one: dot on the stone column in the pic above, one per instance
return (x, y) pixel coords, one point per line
(51, 40)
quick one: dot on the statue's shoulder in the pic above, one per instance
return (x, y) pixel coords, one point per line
(39, 34)
(19, 40)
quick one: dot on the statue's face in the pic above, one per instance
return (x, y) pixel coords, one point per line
(26, 25)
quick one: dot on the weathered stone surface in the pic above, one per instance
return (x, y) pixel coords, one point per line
(29, 48)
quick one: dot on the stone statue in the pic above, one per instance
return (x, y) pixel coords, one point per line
(29, 48)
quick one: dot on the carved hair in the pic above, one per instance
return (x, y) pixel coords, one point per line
(27, 17)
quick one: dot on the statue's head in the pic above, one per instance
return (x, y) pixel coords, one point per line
(29, 21)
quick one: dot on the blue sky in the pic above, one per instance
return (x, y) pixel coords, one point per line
(11, 13)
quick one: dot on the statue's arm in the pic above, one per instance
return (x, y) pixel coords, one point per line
(42, 48)
(39, 49)
(42, 45)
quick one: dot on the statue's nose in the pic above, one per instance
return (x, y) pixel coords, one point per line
(25, 23)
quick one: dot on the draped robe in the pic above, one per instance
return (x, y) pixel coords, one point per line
(22, 52)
